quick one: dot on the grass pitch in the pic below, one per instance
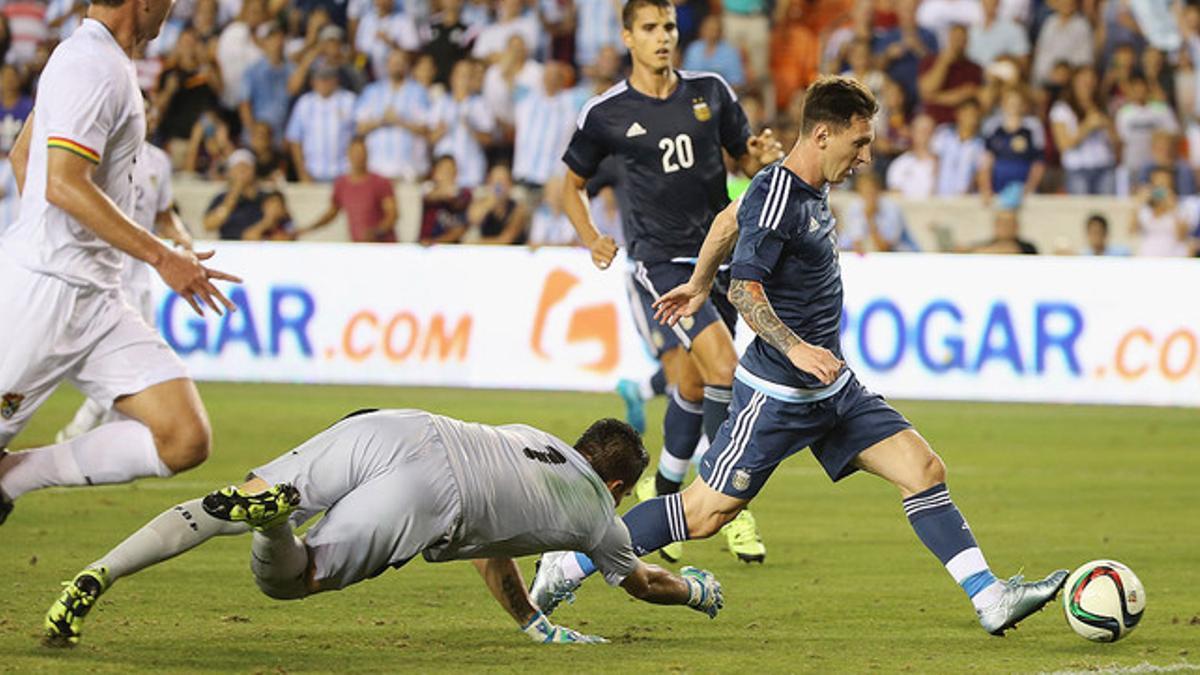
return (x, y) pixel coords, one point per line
(846, 587)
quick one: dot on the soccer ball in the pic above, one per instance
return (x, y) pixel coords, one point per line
(1103, 600)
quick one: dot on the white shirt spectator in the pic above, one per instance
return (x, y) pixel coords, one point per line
(889, 221)
(988, 43)
(1068, 40)
(1093, 152)
(596, 25)
(236, 51)
(375, 36)
(958, 160)
(1136, 125)
(544, 125)
(493, 38)
(499, 95)
(393, 151)
(551, 228)
(1158, 233)
(937, 16)
(323, 128)
(463, 120)
(912, 177)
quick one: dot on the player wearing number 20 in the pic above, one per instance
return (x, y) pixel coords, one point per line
(668, 128)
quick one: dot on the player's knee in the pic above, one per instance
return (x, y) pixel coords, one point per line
(933, 471)
(184, 446)
(692, 390)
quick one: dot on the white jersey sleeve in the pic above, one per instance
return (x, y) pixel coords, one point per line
(613, 556)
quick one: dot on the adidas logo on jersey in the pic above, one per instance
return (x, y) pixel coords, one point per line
(635, 129)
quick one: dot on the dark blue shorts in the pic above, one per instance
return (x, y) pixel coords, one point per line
(647, 281)
(761, 432)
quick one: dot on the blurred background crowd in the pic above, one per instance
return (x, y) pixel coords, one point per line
(454, 113)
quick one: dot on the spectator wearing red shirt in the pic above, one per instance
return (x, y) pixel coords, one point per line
(949, 77)
(367, 198)
(445, 204)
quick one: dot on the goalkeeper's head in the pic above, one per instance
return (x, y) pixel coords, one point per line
(616, 452)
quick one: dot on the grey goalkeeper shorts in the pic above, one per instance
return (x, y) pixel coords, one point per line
(384, 483)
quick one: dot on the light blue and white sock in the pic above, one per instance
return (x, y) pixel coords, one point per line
(945, 532)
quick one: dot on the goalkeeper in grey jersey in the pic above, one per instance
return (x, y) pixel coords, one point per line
(392, 484)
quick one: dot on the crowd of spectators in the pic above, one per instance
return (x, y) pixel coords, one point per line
(475, 100)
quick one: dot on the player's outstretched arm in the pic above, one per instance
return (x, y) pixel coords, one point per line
(575, 204)
(503, 579)
(69, 186)
(751, 302)
(686, 299)
(695, 588)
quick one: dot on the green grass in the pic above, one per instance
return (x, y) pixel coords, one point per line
(846, 587)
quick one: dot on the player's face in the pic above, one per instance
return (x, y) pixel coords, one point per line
(848, 149)
(653, 37)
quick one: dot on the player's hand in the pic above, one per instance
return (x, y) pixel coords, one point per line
(816, 361)
(541, 630)
(704, 591)
(765, 147)
(684, 300)
(604, 249)
(182, 271)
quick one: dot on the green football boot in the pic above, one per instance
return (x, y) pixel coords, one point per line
(1019, 600)
(741, 535)
(262, 510)
(64, 622)
(645, 490)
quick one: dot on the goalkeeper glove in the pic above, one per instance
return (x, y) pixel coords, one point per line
(704, 591)
(539, 629)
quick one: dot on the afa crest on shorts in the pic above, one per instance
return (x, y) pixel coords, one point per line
(10, 403)
(701, 110)
(741, 480)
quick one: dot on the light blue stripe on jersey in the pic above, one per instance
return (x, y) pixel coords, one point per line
(787, 394)
(597, 25)
(460, 142)
(323, 127)
(543, 128)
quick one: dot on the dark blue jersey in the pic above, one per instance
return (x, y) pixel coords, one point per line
(671, 151)
(787, 241)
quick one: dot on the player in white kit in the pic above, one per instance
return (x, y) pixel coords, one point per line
(153, 210)
(393, 484)
(61, 313)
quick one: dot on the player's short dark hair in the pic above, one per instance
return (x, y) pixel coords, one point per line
(615, 451)
(629, 11)
(836, 100)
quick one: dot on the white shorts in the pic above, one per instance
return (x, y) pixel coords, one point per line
(51, 331)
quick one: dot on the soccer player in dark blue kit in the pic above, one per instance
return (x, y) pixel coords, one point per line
(668, 128)
(792, 388)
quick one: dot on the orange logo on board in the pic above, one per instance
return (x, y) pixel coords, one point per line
(589, 323)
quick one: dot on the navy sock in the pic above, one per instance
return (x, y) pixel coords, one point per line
(656, 522)
(716, 409)
(945, 532)
(658, 382)
(681, 433)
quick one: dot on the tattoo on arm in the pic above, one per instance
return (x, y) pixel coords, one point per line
(751, 302)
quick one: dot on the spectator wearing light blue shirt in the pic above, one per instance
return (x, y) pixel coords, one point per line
(266, 83)
(320, 129)
(872, 222)
(392, 116)
(710, 52)
(996, 36)
(462, 124)
(746, 25)
(959, 149)
(597, 23)
(544, 122)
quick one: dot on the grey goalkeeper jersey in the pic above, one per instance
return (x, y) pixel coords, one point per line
(524, 491)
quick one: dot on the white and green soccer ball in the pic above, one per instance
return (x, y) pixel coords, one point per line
(1103, 600)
